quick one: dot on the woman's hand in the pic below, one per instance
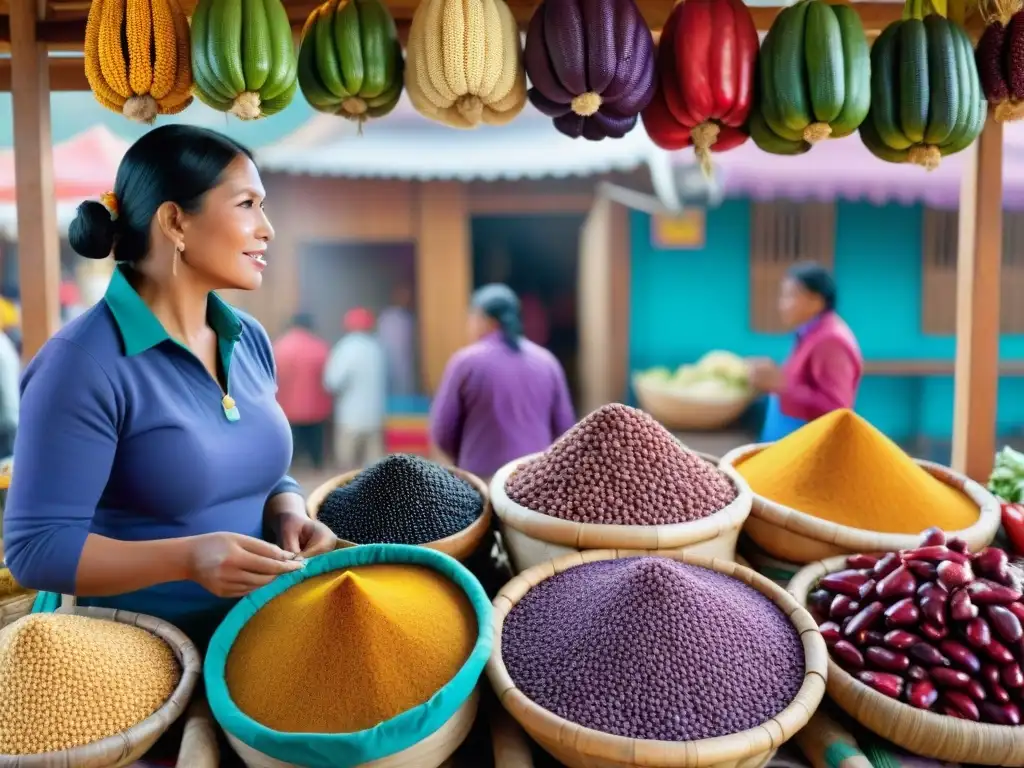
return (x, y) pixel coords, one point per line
(233, 565)
(299, 534)
(765, 375)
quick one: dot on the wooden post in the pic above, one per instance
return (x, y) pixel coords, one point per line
(979, 258)
(38, 243)
(444, 275)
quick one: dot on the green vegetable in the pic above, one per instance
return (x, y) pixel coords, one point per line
(1007, 478)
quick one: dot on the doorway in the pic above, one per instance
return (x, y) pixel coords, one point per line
(538, 258)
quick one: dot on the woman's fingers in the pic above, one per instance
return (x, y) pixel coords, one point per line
(264, 548)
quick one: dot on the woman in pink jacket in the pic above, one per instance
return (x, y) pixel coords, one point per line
(824, 369)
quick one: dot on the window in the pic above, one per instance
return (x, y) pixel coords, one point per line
(783, 233)
(939, 243)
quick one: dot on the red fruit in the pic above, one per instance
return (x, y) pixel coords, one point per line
(1013, 514)
(707, 57)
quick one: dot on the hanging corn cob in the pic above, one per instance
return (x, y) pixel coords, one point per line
(136, 57)
(464, 63)
(814, 79)
(350, 59)
(1000, 58)
(926, 97)
(243, 57)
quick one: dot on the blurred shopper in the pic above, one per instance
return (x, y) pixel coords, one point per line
(356, 375)
(10, 396)
(301, 359)
(501, 397)
(396, 329)
(823, 372)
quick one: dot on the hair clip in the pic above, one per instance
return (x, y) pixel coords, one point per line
(109, 201)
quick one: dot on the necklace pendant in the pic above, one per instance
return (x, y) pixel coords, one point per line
(230, 408)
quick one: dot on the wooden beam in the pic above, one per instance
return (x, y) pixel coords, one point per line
(979, 257)
(38, 246)
(66, 73)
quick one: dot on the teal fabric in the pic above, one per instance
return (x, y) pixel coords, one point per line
(332, 750)
(46, 602)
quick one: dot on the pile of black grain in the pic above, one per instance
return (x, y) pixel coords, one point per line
(402, 499)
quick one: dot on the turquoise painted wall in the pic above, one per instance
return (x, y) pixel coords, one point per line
(686, 302)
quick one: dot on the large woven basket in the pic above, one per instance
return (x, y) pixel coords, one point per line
(798, 537)
(125, 748)
(579, 747)
(678, 411)
(429, 753)
(920, 732)
(532, 537)
(459, 545)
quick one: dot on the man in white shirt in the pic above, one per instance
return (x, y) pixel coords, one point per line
(356, 375)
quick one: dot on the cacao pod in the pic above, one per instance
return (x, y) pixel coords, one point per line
(1000, 61)
(707, 57)
(591, 65)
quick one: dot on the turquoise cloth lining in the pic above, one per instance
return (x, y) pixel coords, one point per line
(46, 602)
(345, 750)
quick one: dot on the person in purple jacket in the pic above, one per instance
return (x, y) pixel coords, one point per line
(153, 456)
(503, 396)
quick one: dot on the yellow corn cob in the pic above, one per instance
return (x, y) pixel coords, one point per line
(150, 72)
(464, 63)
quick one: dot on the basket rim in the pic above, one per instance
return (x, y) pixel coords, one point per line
(649, 753)
(482, 522)
(682, 397)
(150, 728)
(978, 535)
(964, 733)
(588, 535)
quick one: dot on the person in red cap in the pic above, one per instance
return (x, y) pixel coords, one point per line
(356, 375)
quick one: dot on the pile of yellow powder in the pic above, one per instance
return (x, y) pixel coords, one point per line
(8, 586)
(345, 651)
(842, 469)
(67, 681)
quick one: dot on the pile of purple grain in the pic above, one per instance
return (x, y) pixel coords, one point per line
(619, 466)
(650, 648)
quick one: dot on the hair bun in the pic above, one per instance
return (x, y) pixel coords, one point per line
(92, 231)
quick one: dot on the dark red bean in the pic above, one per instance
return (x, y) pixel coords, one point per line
(933, 537)
(871, 637)
(861, 562)
(899, 583)
(936, 554)
(847, 653)
(917, 672)
(932, 589)
(831, 632)
(1017, 609)
(949, 678)
(963, 704)
(933, 609)
(958, 545)
(818, 603)
(887, 564)
(952, 575)
(1000, 714)
(865, 619)
(960, 606)
(976, 690)
(978, 633)
(960, 655)
(883, 658)
(991, 562)
(884, 682)
(998, 693)
(928, 655)
(843, 607)
(985, 592)
(900, 639)
(921, 694)
(867, 590)
(933, 632)
(998, 652)
(1011, 676)
(902, 613)
(924, 570)
(950, 711)
(1005, 623)
(990, 673)
(846, 582)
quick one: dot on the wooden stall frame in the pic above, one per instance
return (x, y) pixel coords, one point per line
(35, 27)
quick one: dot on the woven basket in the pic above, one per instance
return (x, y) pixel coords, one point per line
(579, 747)
(429, 753)
(125, 748)
(533, 537)
(920, 732)
(13, 607)
(798, 537)
(459, 545)
(679, 412)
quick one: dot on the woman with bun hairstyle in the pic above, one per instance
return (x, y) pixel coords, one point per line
(152, 456)
(503, 396)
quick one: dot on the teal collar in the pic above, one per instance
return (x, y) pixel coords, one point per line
(141, 330)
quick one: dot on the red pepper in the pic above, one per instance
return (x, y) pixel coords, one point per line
(1013, 524)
